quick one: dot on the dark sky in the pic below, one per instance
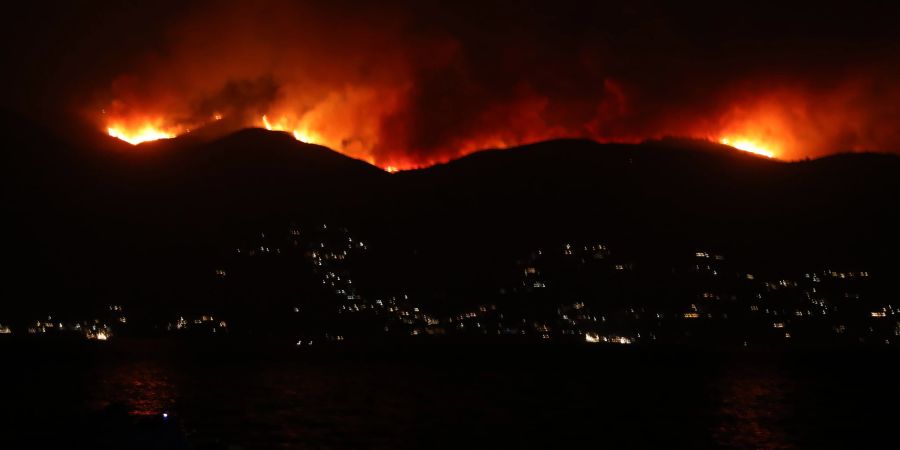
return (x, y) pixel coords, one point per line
(414, 82)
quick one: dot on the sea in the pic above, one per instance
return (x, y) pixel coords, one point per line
(174, 394)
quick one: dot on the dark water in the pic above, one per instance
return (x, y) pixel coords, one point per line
(458, 397)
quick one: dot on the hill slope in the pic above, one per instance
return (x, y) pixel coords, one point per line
(106, 221)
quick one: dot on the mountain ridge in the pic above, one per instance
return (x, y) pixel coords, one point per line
(86, 221)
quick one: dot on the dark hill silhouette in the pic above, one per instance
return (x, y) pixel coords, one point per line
(658, 198)
(101, 220)
(678, 190)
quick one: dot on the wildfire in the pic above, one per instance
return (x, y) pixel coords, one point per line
(303, 129)
(749, 146)
(143, 133)
(301, 134)
(266, 124)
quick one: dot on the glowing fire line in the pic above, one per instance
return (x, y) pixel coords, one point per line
(143, 134)
(303, 135)
(748, 146)
(152, 131)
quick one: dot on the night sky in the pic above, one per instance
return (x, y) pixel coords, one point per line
(410, 83)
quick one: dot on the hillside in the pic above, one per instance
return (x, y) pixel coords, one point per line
(92, 223)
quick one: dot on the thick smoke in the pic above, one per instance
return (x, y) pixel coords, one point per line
(418, 82)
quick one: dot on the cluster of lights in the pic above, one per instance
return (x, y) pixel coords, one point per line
(594, 338)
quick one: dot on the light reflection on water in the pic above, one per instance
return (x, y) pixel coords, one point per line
(751, 405)
(145, 387)
(754, 409)
(608, 400)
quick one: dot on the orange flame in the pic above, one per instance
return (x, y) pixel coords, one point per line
(141, 133)
(748, 145)
(302, 134)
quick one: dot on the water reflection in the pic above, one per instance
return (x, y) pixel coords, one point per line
(144, 387)
(754, 409)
